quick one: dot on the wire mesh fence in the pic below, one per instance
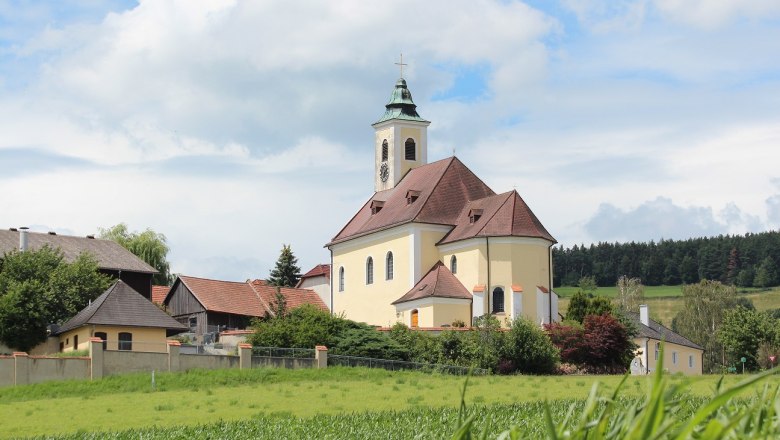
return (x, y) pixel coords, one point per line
(393, 365)
(301, 353)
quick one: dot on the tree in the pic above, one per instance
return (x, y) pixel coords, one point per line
(38, 288)
(704, 305)
(743, 331)
(766, 274)
(280, 303)
(581, 306)
(529, 349)
(286, 273)
(601, 345)
(630, 292)
(150, 246)
(588, 285)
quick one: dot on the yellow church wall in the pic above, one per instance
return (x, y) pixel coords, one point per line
(371, 303)
(513, 261)
(472, 264)
(429, 255)
(144, 338)
(446, 314)
(649, 347)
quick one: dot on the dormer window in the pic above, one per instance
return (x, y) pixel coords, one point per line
(376, 206)
(474, 215)
(412, 196)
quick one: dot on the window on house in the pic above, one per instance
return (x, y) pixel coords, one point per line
(412, 196)
(410, 150)
(75, 342)
(498, 300)
(370, 271)
(376, 206)
(125, 341)
(454, 264)
(657, 349)
(384, 150)
(193, 322)
(674, 357)
(474, 215)
(690, 361)
(389, 266)
(341, 279)
(103, 337)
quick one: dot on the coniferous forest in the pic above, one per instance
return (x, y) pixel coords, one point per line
(749, 260)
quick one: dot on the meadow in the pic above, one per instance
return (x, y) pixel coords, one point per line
(275, 403)
(665, 301)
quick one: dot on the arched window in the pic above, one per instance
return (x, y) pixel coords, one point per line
(410, 150)
(125, 341)
(498, 300)
(454, 264)
(415, 318)
(341, 279)
(370, 271)
(389, 266)
(384, 150)
(103, 336)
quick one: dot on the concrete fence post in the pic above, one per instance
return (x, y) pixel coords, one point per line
(174, 350)
(21, 368)
(96, 358)
(245, 356)
(321, 356)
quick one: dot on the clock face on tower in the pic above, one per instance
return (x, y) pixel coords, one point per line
(384, 173)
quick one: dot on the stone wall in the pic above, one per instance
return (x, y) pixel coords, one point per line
(20, 368)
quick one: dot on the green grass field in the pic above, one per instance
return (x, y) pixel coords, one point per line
(277, 396)
(665, 301)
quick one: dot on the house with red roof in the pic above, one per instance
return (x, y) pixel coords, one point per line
(318, 280)
(211, 306)
(434, 245)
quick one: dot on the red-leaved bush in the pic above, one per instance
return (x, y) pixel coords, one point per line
(601, 345)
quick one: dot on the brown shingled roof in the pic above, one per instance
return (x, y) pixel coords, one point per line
(318, 270)
(438, 282)
(233, 297)
(159, 293)
(502, 215)
(248, 298)
(109, 254)
(120, 305)
(444, 186)
(294, 297)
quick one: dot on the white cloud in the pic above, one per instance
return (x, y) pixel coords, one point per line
(713, 13)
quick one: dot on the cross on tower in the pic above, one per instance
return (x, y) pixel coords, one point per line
(401, 65)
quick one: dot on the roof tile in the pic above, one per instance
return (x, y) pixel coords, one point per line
(439, 282)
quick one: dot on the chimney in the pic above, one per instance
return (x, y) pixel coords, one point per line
(23, 238)
(644, 315)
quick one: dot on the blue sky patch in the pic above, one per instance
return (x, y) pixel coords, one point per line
(470, 83)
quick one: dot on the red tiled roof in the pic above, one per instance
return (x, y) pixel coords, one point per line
(295, 297)
(438, 282)
(502, 215)
(233, 297)
(159, 293)
(317, 271)
(445, 186)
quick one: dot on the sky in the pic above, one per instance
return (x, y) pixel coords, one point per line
(234, 127)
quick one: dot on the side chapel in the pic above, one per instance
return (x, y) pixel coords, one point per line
(434, 245)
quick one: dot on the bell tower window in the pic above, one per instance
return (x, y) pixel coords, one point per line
(410, 150)
(384, 150)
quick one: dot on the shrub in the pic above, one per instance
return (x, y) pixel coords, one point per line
(530, 349)
(569, 338)
(368, 342)
(608, 343)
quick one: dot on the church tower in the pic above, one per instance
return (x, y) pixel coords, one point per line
(400, 140)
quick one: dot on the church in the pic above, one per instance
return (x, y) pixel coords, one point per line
(434, 246)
